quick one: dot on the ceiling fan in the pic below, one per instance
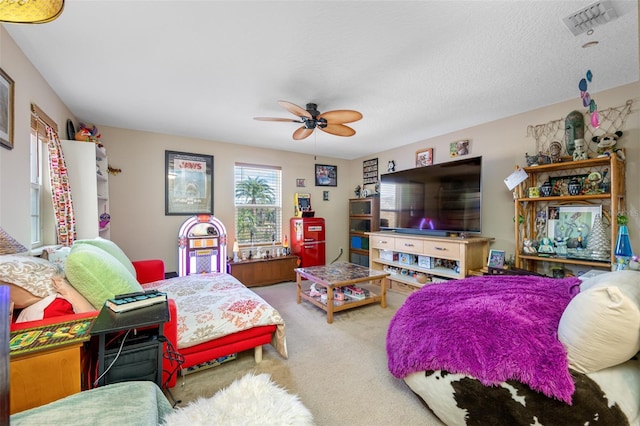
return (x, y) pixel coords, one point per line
(330, 121)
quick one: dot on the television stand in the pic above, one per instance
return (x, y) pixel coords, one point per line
(409, 257)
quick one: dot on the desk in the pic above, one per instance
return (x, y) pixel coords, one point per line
(339, 275)
(138, 332)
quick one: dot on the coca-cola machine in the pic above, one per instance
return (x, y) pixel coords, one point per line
(308, 240)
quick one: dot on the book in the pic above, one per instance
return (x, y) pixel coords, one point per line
(129, 301)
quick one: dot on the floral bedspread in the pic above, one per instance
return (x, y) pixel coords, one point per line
(214, 305)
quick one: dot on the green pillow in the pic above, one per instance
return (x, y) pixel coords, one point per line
(111, 248)
(97, 275)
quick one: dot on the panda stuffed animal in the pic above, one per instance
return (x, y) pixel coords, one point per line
(607, 145)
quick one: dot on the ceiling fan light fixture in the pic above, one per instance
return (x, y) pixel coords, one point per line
(329, 122)
(30, 11)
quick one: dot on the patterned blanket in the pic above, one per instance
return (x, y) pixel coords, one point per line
(494, 328)
(215, 305)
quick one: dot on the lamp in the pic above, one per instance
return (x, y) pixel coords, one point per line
(236, 249)
(285, 244)
(9, 245)
(30, 11)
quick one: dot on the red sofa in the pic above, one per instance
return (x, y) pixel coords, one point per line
(149, 271)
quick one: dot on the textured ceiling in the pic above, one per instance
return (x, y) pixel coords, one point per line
(415, 69)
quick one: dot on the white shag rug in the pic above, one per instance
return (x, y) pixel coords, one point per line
(251, 400)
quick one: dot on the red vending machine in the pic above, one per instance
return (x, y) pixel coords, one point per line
(308, 240)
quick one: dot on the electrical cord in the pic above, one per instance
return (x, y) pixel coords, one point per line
(340, 254)
(95, 383)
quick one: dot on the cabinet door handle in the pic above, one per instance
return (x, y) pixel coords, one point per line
(440, 248)
(382, 241)
(408, 245)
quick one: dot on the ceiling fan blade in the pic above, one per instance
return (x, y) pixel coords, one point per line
(340, 116)
(301, 133)
(338, 130)
(288, 120)
(295, 109)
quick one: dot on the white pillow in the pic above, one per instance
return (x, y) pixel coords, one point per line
(31, 273)
(600, 327)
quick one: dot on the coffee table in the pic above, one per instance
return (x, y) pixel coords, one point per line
(337, 275)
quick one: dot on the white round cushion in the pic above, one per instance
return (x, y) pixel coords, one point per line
(600, 327)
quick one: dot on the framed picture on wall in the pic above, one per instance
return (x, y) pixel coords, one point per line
(6, 110)
(424, 157)
(326, 175)
(188, 183)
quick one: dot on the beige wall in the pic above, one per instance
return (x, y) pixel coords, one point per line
(137, 194)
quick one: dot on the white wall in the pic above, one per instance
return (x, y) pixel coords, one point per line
(137, 197)
(30, 87)
(503, 144)
(137, 194)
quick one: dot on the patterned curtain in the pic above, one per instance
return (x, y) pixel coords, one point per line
(60, 191)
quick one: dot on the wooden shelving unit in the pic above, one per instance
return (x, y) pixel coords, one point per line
(529, 209)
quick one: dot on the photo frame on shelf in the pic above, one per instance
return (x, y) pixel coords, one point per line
(496, 259)
(188, 183)
(424, 157)
(560, 184)
(326, 175)
(572, 223)
(7, 89)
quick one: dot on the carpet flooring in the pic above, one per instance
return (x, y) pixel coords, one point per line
(338, 370)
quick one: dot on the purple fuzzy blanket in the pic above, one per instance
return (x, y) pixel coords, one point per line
(494, 328)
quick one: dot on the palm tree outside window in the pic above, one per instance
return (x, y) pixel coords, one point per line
(258, 204)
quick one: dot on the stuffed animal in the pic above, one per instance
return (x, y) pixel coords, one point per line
(607, 145)
(86, 134)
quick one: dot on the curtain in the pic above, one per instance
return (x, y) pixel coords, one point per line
(60, 191)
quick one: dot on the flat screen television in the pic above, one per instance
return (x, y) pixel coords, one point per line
(438, 200)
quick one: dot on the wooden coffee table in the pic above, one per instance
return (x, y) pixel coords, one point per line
(339, 275)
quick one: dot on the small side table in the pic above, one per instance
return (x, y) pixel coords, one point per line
(134, 348)
(47, 362)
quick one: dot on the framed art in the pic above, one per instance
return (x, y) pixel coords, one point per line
(370, 171)
(424, 157)
(560, 184)
(572, 223)
(188, 183)
(458, 148)
(6, 110)
(496, 259)
(301, 183)
(326, 175)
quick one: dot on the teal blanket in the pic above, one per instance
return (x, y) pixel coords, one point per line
(126, 403)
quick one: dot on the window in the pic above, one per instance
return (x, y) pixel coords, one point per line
(258, 203)
(40, 193)
(36, 189)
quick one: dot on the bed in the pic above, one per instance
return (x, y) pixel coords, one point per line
(522, 350)
(217, 315)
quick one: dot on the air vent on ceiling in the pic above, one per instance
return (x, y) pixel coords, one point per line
(585, 19)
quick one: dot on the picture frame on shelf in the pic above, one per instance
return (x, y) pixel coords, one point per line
(496, 259)
(7, 90)
(188, 183)
(560, 184)
(572, 223)
(326, 175)
(424, 157)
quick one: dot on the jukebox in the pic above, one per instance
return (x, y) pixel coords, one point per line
(202, 246)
